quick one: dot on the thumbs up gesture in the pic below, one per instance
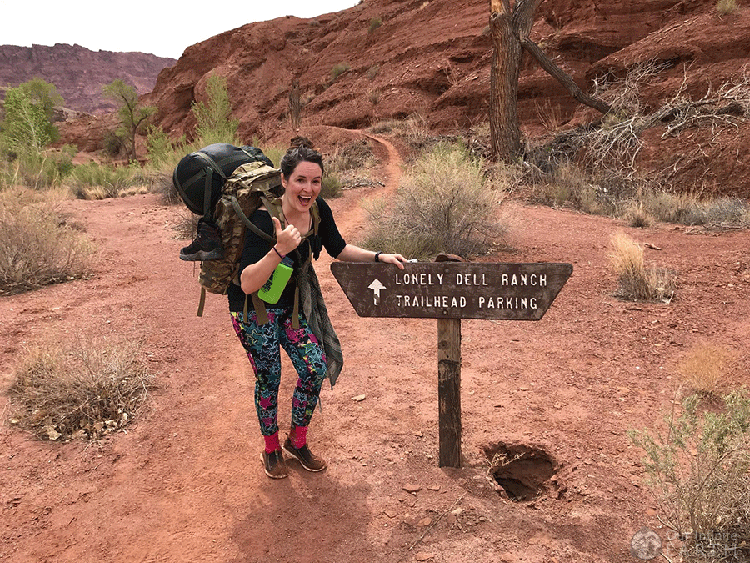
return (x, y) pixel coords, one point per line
(286, 239)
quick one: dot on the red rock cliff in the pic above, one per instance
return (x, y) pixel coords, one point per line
(79, 73)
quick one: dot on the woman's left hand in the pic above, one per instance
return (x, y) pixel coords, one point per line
(392, 259)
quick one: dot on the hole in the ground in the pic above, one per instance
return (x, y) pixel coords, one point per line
(524, 472)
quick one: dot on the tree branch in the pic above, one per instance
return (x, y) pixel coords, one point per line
(562, 77)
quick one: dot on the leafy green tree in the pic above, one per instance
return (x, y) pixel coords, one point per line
(44, 95)
(27, 124)
(133, 116)
(215, 123)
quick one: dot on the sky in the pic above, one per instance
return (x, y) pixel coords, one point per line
(162, 28)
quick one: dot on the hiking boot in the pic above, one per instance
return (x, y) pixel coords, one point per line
(304, 456)
(206, 246)
(273, 464)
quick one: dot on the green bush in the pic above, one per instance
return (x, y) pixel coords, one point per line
(214, 118)
(38, 169)
(162, 151)
(98, 181)
(445, 204)
(375, 23)
(699, 468)
(37, 246)
(338, 70)
(331, 186)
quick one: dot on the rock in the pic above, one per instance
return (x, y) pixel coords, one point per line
(79, 73)
(411, 488)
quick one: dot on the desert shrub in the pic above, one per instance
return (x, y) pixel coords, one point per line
(721, 212)
(704, 368)
(36, 169)
(339, 69)
(638, 217)
(114, 143)
(331, 186)
(37, 245)
(412, 129)
(352, 156)
(724, 7)
(699, 468)
(163, 152)
(375, 23)
(445, 204)
(689, 209)
(637, 281)
(274, 152)
(83, 391)
(569, 186)
(214, 122)
(372, 72)
(98, 181)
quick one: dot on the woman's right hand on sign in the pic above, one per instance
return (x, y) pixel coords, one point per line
(286, 239)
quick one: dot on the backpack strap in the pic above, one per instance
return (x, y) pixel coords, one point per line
(249, 224)
(209, 170)
(274, 209)
(201, 303)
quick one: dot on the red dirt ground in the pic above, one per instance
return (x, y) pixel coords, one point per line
(185, 483)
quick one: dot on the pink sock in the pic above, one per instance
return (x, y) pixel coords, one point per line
(272, 442)
(298, 436)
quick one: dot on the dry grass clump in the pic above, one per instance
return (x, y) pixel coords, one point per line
(638, 217)
(724, 7)
(85, 391)
(637, 281)
(705, 367)
(689, 209)
(569, 186)
(38, 246)
(413, 129)
(446, 203)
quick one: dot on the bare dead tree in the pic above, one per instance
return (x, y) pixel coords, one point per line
(510, 28)
(295, 105)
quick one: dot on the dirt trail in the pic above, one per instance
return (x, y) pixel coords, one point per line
(185, 482)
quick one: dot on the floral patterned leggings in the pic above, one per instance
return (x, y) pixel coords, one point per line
(262, 343)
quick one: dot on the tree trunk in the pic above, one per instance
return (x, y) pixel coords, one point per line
(510, 30)
(507, 26)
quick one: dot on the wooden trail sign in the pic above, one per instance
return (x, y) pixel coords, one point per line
(452, 290)
(449, 292)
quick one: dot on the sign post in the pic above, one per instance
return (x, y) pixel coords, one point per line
(449, 292)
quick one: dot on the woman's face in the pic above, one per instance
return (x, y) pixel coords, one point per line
(303, 185)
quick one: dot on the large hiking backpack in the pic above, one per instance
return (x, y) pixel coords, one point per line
(251, 186)
(200, 176)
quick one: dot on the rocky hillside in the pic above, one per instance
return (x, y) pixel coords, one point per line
(386, 59)
(79, 73)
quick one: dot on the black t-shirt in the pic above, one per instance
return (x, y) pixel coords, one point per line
(255, 248)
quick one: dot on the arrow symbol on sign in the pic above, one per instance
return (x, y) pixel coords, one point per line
(376, 286)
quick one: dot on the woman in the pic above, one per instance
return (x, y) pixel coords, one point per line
(301, 177)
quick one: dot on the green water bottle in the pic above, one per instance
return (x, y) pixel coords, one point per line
(271, 290)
